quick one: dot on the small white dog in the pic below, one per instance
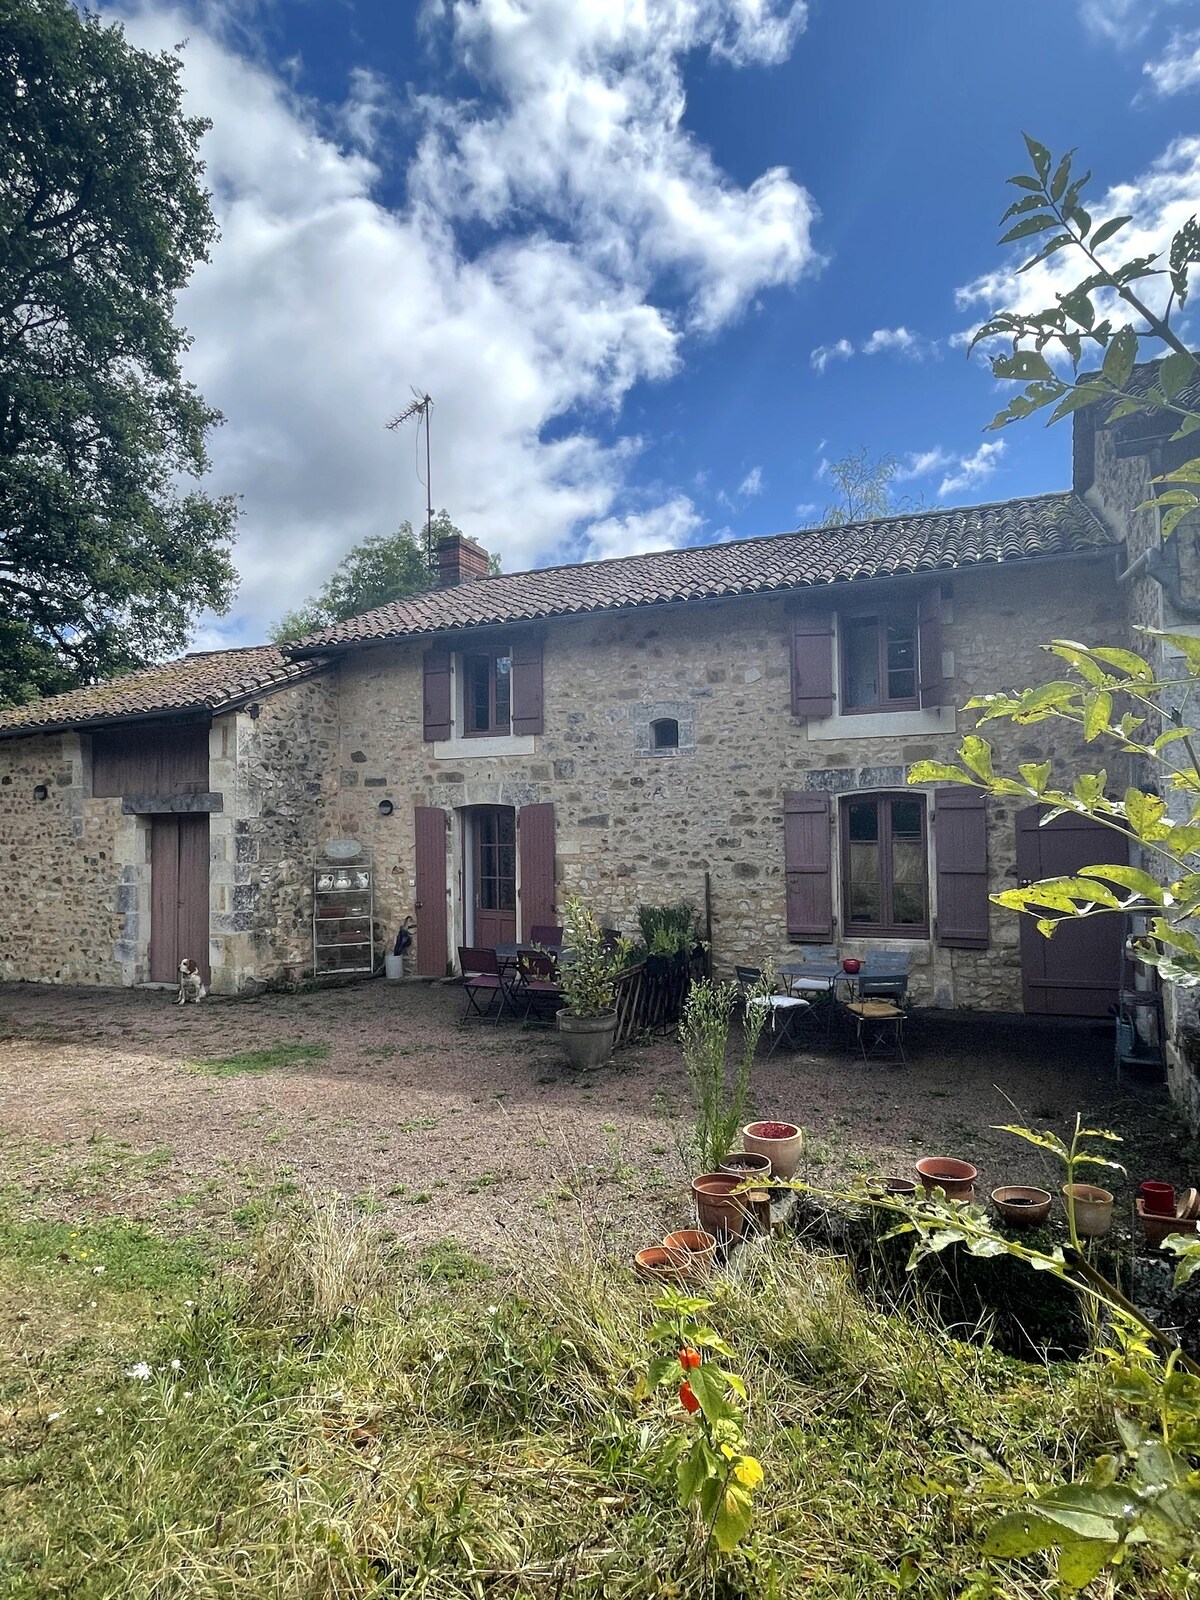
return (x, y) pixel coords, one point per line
(191, 984)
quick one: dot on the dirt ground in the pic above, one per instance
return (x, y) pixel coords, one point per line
(481, 1132)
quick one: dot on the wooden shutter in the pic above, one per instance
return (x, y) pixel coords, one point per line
(960, 856)
(432, 925)
(929, 647)
(527, 715)
(437, 693)
(535, 853)
(808, 862)
(812, 664)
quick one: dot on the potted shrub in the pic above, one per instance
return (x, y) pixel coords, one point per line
(588, 1024)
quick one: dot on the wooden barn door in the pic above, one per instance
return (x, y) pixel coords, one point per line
(179, 920)
(1077, 972)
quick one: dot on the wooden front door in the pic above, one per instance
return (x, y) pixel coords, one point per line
(1077, 972)
(179, 919)
(495, 875)
(432, 889)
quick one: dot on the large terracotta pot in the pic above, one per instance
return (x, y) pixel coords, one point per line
(694, 1249)
(956, 1179)
(721, 1212)
(1093, 1208)
(1021, 1207)
(588, 1041)
(782, 1141)
(747, 1164)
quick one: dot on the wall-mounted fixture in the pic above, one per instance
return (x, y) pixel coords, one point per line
(40, 792)
(385, 808)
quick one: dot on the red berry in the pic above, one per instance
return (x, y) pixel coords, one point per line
(689, 1358)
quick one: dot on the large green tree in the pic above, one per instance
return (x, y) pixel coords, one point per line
(378, 570)
(108, 547)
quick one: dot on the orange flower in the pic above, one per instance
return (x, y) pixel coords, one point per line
(689, 1358)
(687, 1399)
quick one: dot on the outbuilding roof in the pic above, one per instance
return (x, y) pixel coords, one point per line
(208, 680)
(922, 541)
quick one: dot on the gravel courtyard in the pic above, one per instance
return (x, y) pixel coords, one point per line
(481, 1133)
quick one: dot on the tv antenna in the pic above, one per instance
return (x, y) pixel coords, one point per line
(420, 408)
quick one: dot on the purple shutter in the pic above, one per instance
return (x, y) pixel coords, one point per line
(437, 693)
(535, 856)
(812, 664)
(808, 863)
(929, 647)
(432, 925)
(527, 716)
(960, 856)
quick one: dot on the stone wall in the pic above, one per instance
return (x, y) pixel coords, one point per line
(639, 826)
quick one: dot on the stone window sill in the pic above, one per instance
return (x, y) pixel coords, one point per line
(501, 744)
(884, 724)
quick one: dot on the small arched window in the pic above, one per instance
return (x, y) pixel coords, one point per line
(664, 734)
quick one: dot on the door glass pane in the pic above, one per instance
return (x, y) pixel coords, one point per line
(860, 655)
(503, 694)
(506, 861)
(862, 824)
(908, 864)
(906, 819)
(901, 661)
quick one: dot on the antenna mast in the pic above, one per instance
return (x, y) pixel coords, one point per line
(421, 407)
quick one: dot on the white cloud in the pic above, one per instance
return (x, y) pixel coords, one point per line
(601, 233)
(663, 527)
(1179, 66)
(1159, 200)
(752, 483)
(972, 470)
(825, 353)
(920, 463)
(895, 341)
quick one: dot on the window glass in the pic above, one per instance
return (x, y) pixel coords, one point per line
(860, 654)
(863, 825)
(886, 869)
(503, 694)
(901, 661)
(665, 733)
(476, 696)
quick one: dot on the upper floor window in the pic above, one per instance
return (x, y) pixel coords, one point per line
(487, 694)
(879, 662)
(885, 866)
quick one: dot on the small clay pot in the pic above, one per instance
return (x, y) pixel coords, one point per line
(721, 1211)
(747, 1164)
(956, 1179)
(1158, 1198)
(1158, 1228)
(783, 1142)
(894, 1188)
(694, 1250)
(1093, 1209)
(1188, 1205)
(660, 1264)
(1021, 1207)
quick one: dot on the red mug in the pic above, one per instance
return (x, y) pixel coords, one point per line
(1158, 1199)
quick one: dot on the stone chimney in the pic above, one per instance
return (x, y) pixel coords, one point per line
(460, 560)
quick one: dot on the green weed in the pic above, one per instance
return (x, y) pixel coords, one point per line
(269, 1059)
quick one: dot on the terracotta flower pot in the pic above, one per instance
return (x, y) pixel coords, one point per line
(1188, 1205)
(894, 1188)
(1158, 1198)
(660, 1264)
(1159, 1228)
(694, 1250)
(747, 1164)
(1021, 1207)
(720, 1211)
(783, 1142)
(1093, 1208)
(955, 1178)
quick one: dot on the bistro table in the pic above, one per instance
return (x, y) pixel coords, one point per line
(817, 978)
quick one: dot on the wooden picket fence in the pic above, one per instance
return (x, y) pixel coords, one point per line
(649, 1002)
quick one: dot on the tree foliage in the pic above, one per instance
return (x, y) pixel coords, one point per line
(378, 570)
(863, 489)
(106, 550)
(1138, 715)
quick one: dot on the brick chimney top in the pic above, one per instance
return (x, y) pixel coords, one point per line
(460, 560)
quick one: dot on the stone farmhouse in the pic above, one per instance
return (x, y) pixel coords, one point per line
(730, 725)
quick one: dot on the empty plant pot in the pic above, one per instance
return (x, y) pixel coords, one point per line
(720, 1210)
(747, 1164)
(1188, 1205)
(1021, 1207)
(1093, 1208)
(694, 1249)
(1158, 1228)
(956, 1179)
(783, 1142)
(659, 1263)
(894, 1188)
(1158, 1198)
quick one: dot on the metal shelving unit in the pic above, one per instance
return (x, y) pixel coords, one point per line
(343, 916)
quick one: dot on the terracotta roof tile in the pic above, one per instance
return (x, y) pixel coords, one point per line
(925, 541)
(209, 680)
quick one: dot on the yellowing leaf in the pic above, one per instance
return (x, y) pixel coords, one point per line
(749, 1471)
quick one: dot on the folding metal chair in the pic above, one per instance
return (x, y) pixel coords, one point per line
(787, 1015)
(539, 985)
(545, 933)
(483, 982)
(884, 976)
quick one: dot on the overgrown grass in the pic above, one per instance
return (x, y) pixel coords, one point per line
(267, 1060)
(341, 1422)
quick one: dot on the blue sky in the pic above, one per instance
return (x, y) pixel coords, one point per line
(654, 261)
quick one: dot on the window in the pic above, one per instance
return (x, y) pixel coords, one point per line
(487, 694)
(885, 872)
(664, 734)
(879, 662)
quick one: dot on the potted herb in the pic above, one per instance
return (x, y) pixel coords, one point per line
(588, 1023)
